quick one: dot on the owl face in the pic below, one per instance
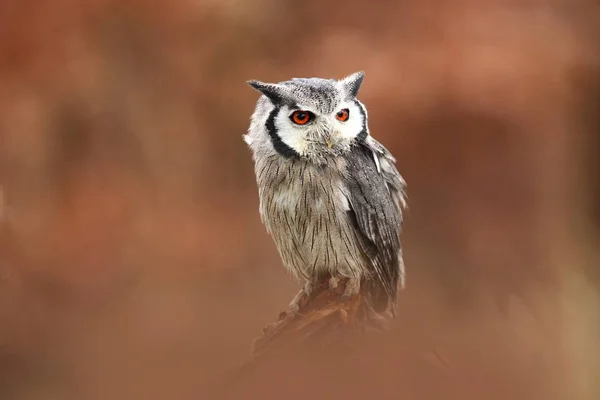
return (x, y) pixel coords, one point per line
(310, 118)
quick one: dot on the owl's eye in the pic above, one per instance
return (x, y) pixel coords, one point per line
(301, 117)
(343, 115)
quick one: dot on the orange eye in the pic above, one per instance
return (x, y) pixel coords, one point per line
(343, 115)
(301, 117)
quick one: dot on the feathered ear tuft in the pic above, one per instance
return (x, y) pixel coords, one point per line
(352, 83)
(276, 93)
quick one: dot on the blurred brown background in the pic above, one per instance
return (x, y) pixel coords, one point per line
(133, 264)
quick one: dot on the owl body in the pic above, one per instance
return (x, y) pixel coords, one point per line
(304, 207)
(330, 194)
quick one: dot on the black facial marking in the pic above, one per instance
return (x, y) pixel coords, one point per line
(282, 148)
(363, 133)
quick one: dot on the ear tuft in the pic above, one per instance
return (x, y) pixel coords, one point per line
(352, 83)
(276, 93)
(256, 84)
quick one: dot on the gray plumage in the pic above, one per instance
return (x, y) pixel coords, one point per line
(330, 195)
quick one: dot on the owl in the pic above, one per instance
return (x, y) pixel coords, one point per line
(330, 194)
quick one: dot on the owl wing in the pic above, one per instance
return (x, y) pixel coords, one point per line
(377, 198)
(387, 167)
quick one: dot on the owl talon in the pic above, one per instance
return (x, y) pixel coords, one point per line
(334, 282)
(352, 287)
(293, 309)
(301, 298)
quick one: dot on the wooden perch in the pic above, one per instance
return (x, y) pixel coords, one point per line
(323, 318)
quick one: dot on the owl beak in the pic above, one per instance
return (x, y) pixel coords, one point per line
(330, 143)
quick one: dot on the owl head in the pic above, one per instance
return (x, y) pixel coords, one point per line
(310, 118)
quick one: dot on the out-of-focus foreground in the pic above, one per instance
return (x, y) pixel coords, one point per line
(133, 264)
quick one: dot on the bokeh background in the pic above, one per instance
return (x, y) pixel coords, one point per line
(133, 264)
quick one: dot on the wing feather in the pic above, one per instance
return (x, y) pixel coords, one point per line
(377, 198)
